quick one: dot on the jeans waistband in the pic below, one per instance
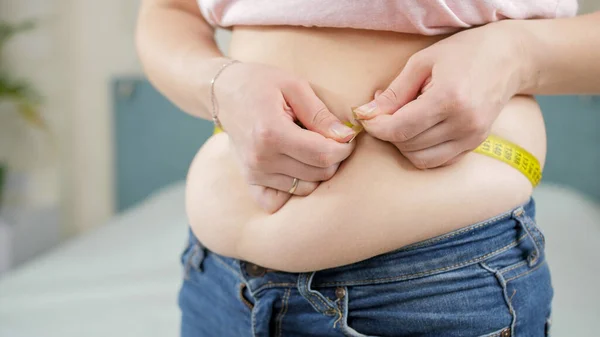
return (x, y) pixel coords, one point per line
(453, 250)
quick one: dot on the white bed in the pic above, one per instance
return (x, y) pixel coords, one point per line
(122, 279)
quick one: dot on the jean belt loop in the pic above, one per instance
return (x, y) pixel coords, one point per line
(319, 302)
(198, 257)
(532, 232)
(194, 261)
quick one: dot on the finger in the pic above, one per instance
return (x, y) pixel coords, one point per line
(313, 113)
(408, 122)
(291, 167)
(282, 183)
(403, 89)
(456, 159)
(438, 134)
(269, 199)
(312, 148)
(293, 151)
(434, 156)
(426, 85)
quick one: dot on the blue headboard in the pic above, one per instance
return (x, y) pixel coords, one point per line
(573, 128)
(155, 142)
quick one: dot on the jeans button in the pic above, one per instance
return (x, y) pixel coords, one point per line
(340, 292)
(255, 270)
(505, 333)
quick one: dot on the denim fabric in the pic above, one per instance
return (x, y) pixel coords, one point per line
(488, 279)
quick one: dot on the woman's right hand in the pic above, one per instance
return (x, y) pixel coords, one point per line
(259, 106)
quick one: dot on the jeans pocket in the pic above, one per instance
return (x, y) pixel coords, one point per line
(527, 288)
(462, 302)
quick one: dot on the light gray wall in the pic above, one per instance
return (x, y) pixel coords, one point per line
(587, 6)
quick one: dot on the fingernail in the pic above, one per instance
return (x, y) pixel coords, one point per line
(356, 126)
(366, 110)
(341, 130)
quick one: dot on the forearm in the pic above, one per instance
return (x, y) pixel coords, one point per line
(178, 52)
(562, 55)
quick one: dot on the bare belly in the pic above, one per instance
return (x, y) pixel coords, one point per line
(345, 67)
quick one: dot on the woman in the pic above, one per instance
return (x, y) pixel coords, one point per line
(379, 246)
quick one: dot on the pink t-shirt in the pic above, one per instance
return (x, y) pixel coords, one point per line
(426, 17)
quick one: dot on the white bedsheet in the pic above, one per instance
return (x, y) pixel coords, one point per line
(571, 224)
(122, 279)
(119, 280)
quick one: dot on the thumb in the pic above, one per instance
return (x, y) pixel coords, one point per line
(314, 115)
(402, 90)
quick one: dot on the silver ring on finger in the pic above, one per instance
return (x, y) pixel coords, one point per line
(294, 186)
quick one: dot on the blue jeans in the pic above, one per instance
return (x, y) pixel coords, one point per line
(488, 279)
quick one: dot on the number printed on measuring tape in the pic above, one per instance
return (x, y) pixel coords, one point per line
(514, 155)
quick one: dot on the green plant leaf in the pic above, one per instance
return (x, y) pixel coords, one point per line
(17, 89)
(32, 115)
(25, 99)
(19, 92)
(8, 30)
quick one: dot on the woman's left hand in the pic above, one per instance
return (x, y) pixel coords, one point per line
(460, 84)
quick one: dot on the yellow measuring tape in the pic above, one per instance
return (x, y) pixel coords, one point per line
(513, 155)
(497, 148)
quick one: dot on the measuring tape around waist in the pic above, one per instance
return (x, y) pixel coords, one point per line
(513, 155)
(497, 148)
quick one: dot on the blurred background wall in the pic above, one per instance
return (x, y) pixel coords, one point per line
(77, 47)
(70, 56)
